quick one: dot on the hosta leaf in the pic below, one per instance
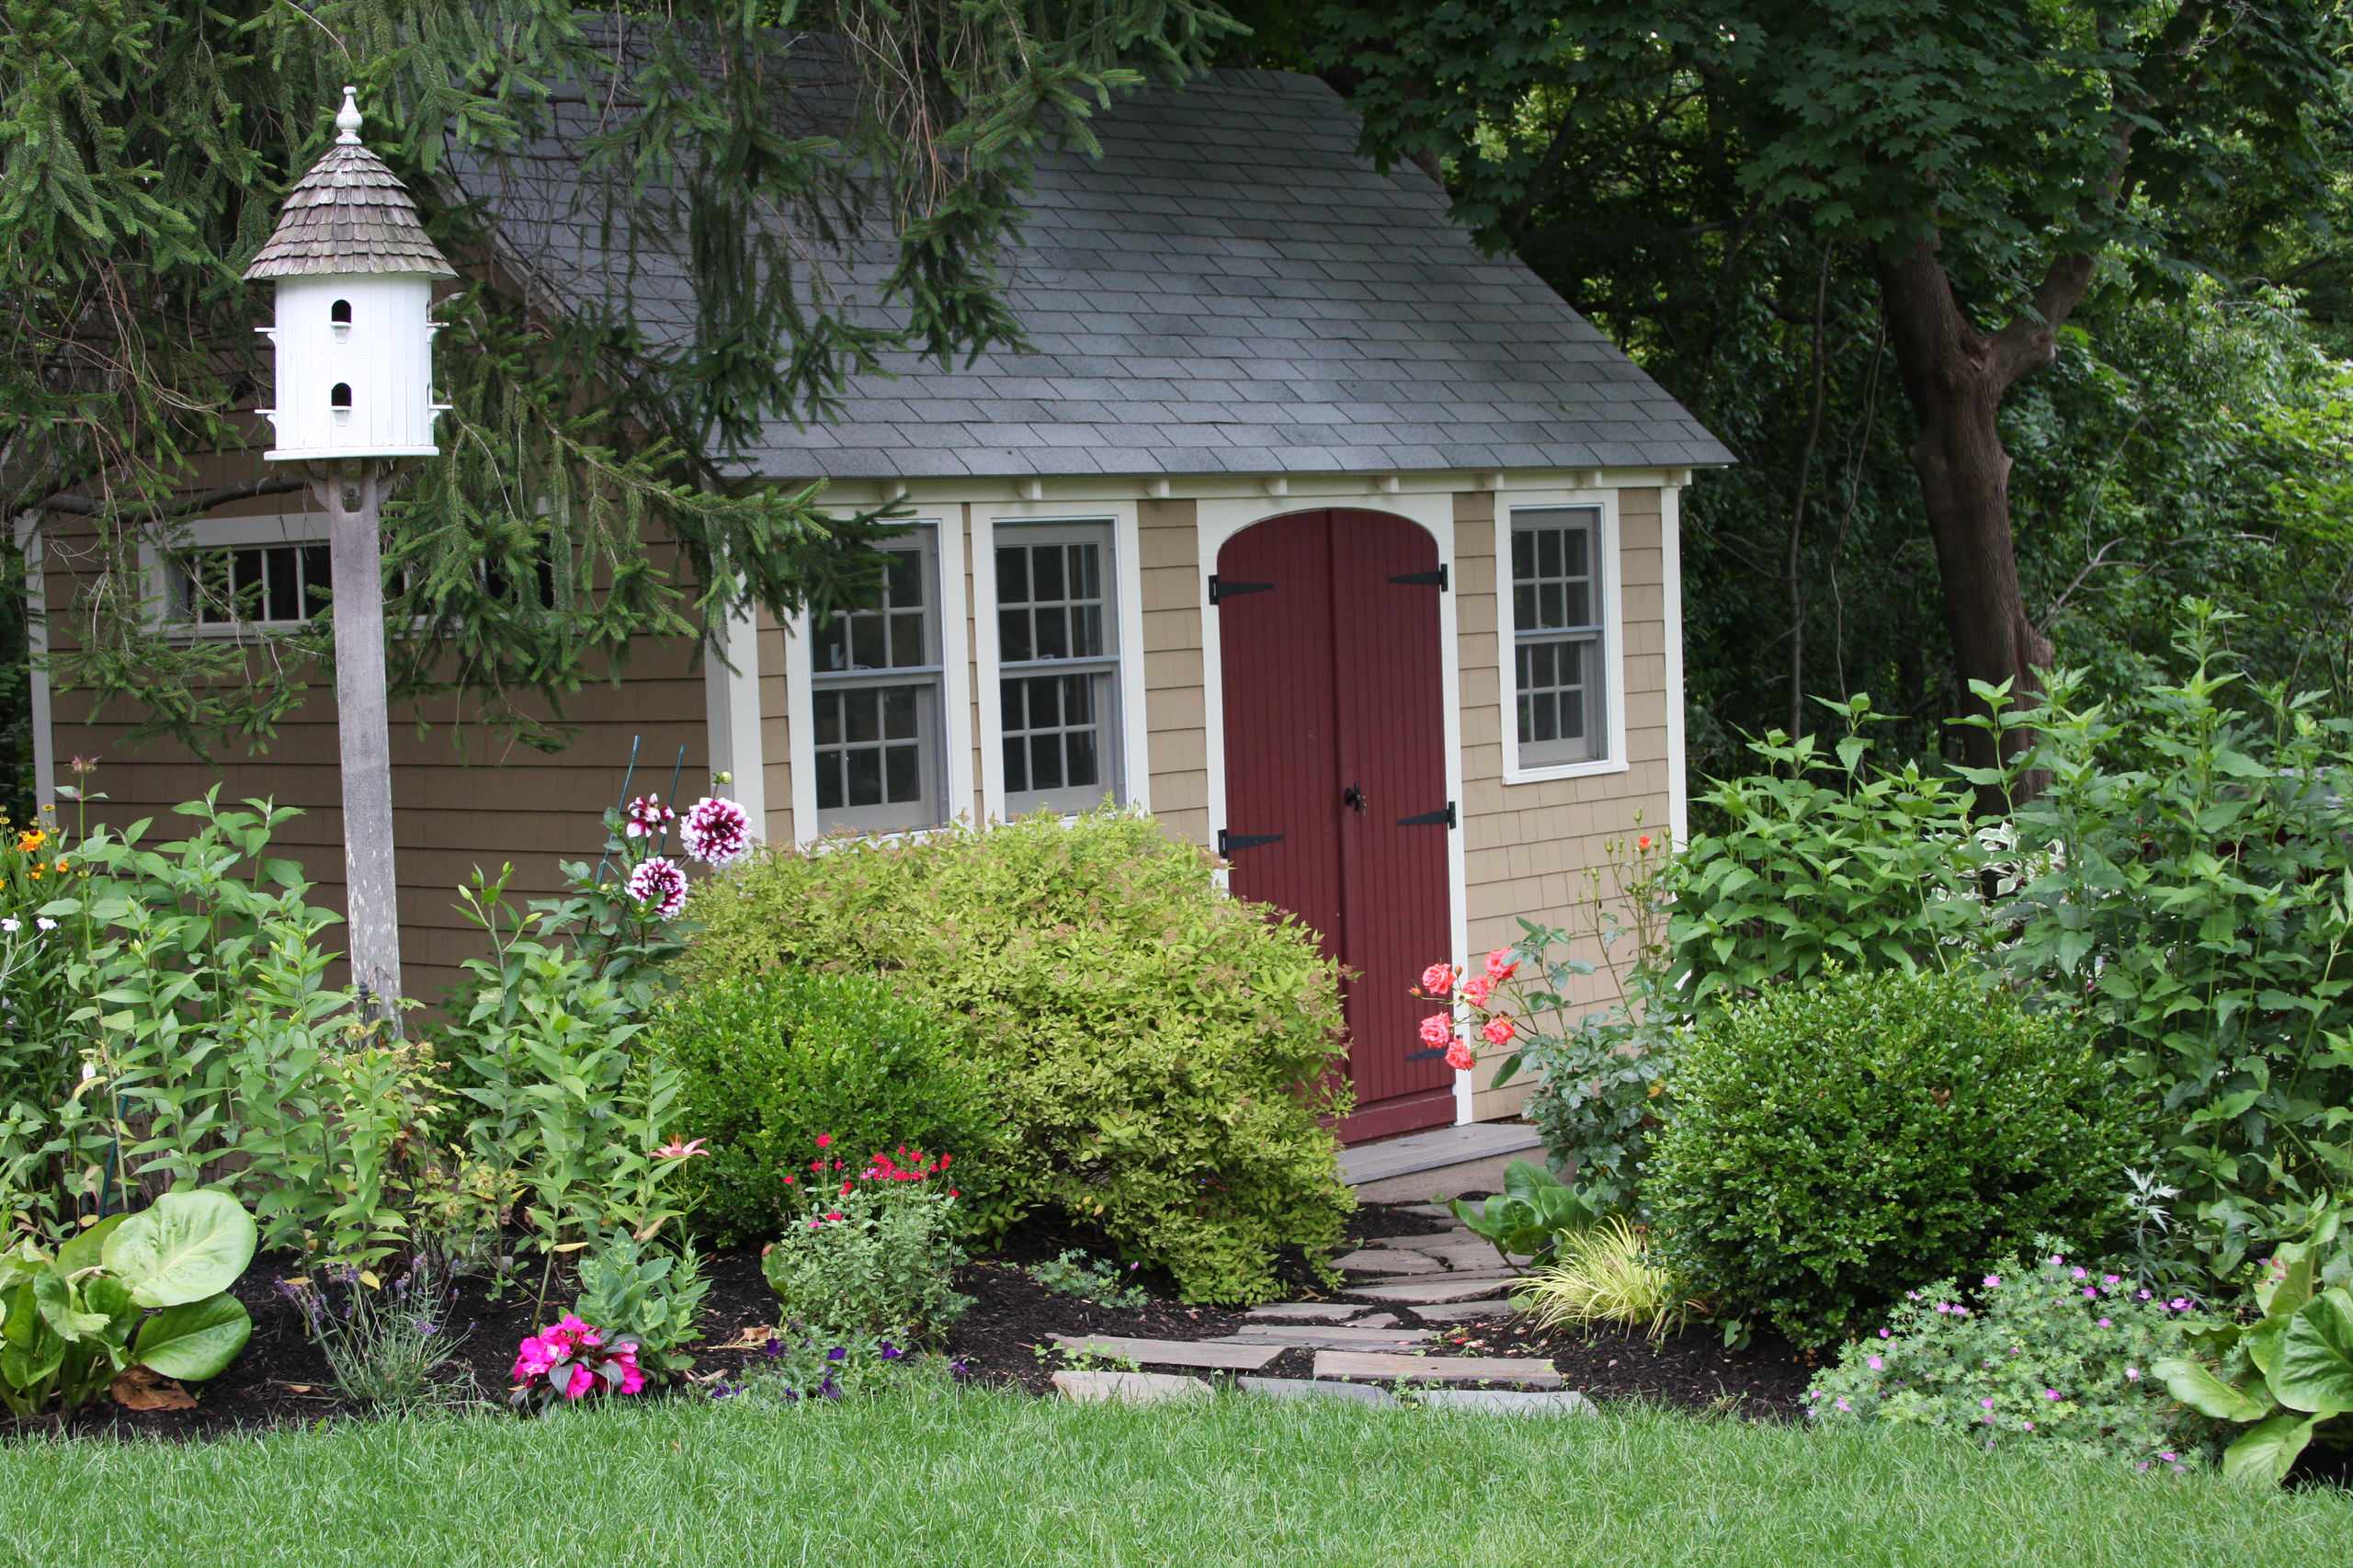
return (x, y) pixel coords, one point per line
(2200, 1389)
(194, 1340)
(186, 1246)
(2267, 1450)
(2315, 1366)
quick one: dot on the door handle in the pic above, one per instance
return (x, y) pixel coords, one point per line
(1353, 797)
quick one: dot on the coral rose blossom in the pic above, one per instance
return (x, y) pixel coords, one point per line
(1459, 1056)
(1499, 1029)
(1438, 979)
(1437, 1029)
(1500, 966)
(1477, 989)
(715, 832)
(660, 886)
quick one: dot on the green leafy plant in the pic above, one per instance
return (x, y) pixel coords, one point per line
(2287, 1376)
(2048, 1349)
(875, 1251)
(148, 1290)
(1836, 1139)
(646, 1292)
(390, 1346)
(767, 1061)
(1604, 1274)
(1528, 1217)
(795, 1365)
(1159, 1056)
(1073, 1273)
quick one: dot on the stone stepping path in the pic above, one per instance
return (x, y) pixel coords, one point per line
(1390, 1367)
(1438, 1292)
(1215, 1355)
(1316, 1336)
(1128, 1388)
(1466, 1312)
(1309, 1388)
(1319, 1311)
(1379, 1261)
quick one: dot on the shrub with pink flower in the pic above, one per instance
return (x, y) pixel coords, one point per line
(659, 885)
(716, 832)
(569, 1362)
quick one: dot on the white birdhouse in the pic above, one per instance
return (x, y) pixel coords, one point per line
(353, 341)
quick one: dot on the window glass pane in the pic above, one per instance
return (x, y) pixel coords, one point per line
(866, 651)
(318, 579)
(1087, 631)
(1046, 761)
(283, 568)
(1079, 752)
(1053, 634)
(1548, 552)
(1012, 576)
(828, 705)
(903, 774)
(906, 639)
(1578, 609)
(1046, 573)
(247, 584)
(1017, 764)
(1548, 605)
(829, 781)
(1523, 553)
(902, 579)
(1055, 593)
(1087, 572)
(865, 769)
(1545, 725)
(863, 712)
(1576, 542)
(1013, 645)
(899, 712)
(1045, 703)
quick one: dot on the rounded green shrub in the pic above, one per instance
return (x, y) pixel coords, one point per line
(1160, 1057)
(1836, 1141)
(772, 1060)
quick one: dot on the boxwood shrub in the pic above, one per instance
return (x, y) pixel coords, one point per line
(772, 1060)
(1838, 1141)
(1159, 1057)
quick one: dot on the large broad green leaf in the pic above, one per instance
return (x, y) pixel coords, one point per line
(2315, 1369)
(2209, 1395)
(66, 1316)
(2267, 1450)
(187, 1247)
(87, 1250)
(193, 1341)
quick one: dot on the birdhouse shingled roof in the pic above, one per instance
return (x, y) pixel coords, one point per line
(349, 214)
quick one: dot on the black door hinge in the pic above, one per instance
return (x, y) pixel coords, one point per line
(1223, 588)
(1430, 819)
(1227, 843)
(1424, 579)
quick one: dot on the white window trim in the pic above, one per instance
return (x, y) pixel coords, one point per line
(1218, 520)
(732, 713)
(1613, 636)
(1135, 758)
(955, 694)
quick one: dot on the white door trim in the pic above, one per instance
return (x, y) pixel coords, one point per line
(1218, 520)
(732, 713)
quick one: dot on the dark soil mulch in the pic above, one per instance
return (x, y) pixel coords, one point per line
(1692, 1370)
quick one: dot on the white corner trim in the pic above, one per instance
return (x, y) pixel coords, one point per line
(1127, 550)
(732, 710)
(1613, 637)
(1218, 520)
(28, 541)
(1670, 567)
(955, 684)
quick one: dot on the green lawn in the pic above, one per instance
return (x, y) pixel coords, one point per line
(986, 1479)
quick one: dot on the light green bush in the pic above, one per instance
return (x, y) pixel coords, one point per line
(1837, 1141)
(1161, 1057)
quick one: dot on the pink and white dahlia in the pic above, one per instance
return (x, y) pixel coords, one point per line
(659, 885)
(646, 816)
(716, 832)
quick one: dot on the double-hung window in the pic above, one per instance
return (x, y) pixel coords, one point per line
(1058, 662)
(1560, 686)
(878, 710)
(278, 585)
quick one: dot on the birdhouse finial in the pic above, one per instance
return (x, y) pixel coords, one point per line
(346, 120)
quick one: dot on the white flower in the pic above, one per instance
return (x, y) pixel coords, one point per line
(12, 925)
(46, 924)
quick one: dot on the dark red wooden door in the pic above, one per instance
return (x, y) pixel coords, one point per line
(1335, 804)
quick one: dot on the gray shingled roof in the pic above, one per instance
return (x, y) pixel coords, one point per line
(348, 215)
(1231, 288)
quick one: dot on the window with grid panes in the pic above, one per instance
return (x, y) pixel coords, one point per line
(1057, 657)
(1557, 633)
(250, 584)
(878, 722)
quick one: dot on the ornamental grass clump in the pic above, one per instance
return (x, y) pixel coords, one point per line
(2052, 1350)
(1835, 1141)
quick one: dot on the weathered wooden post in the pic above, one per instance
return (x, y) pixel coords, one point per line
(352, 342)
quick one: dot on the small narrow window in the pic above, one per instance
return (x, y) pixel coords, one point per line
(1058, 650)
(340, 312)
(1557, 618)
(341, 396)
(880, 721)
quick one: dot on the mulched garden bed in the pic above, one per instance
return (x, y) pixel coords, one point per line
(1764, 1379)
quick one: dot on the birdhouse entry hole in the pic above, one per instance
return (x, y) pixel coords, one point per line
(339, 316)
(340, 398)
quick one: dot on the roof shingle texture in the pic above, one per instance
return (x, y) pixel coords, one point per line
(348, 215)
(1232, 288)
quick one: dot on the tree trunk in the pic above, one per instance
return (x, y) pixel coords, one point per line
(1955, 377)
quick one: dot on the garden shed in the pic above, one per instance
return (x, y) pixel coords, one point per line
(1346, 551)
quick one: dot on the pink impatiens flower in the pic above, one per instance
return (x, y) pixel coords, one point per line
(716, 832)
(659, 885)
(583, 1379)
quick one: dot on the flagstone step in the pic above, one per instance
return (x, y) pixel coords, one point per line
(1127, 1388)
(1389, 1367)
(1427, 1210)
(1306, 1388)
(1386, 1260)
(1216, 1354)
(1319, 1336)
(1509, 1401)
(1467, 1312)
(1432, 1291)
(1433, 1243)
(1315, 1312)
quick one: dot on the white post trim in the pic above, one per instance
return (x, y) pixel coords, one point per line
(731, 712)
(1670, 566)
(1218, 520)
(28, 541)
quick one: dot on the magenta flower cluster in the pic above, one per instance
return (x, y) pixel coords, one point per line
(569, 1360)
(716, 832)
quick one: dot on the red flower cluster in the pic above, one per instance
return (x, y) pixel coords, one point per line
(881, 1170)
